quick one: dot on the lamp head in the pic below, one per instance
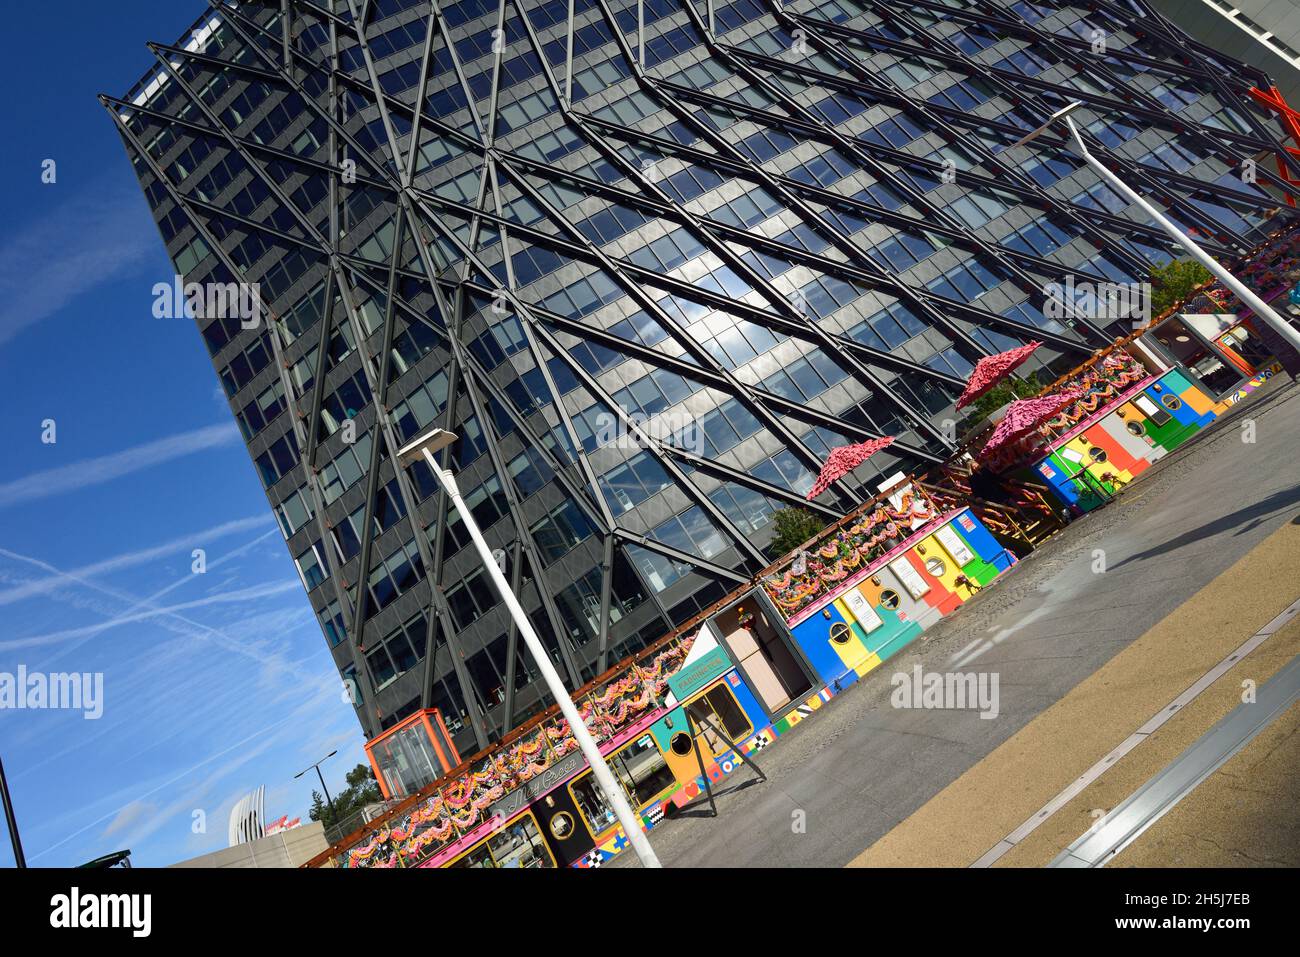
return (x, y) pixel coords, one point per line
(1059, 114)
(434, 440)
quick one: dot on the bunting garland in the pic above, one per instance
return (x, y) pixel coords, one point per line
(461, 805)
(845, 551)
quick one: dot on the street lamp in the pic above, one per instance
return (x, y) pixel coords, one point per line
(423, 447)
(1258, 305)
(328, 800)
(19, 859)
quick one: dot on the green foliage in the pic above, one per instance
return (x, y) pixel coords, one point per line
(1009, 388)
(794, 526)
(1174, 282)
(362, 789)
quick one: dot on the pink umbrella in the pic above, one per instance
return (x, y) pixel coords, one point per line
(1023, 415)
(844, 460)
(992, 369)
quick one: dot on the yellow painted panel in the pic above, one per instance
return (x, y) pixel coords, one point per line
(872, 661)
(1198, 400)
(934, 549)
(1081, 445)
(854, 652)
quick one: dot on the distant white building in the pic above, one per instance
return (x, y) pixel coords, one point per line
(248, 818)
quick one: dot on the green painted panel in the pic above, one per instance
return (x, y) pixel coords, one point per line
(980, 571)
(712, 664)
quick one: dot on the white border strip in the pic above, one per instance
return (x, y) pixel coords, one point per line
(1137, 737)
(1149, 803)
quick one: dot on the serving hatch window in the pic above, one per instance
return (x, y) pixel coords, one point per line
(639, 767)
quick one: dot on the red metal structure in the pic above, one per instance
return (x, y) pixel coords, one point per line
(1290, 119)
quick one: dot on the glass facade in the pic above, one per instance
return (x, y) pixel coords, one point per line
(650, 266)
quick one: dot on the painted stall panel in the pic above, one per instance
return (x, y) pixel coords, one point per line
(1134, 423)
(814, 636)
(1162, 424)
(1137, 449)
(987, 560)
(731, 706)
(911, 587)
(1092, 454)
(562, 826)
(933, 570)
(1193, 405)
(1117, 453)
(1052, 471)
(898, 613)
(1069, 483)
(852, 648)
(1182, 386)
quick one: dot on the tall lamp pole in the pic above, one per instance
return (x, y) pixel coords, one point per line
(1257, 305)
(14, 839)
(423, 447)
(328, 800)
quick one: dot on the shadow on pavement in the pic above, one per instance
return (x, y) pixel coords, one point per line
(700, 806)
(1243, 520)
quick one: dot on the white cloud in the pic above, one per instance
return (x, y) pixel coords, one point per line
(96, 234)
(238, 596)
(105, 468)
(183, 544)
(129, 816)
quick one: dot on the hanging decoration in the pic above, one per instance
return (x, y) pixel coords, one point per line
(458, 807)
(843, 460)
(1026, 415)
(847, 550)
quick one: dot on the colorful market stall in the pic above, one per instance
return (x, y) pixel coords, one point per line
(1094, 456)
(847, 617)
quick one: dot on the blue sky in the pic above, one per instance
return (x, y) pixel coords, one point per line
(214, 683)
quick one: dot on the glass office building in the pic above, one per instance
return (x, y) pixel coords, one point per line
(650, 262)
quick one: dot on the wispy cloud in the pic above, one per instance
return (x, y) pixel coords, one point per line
(142, 609)
(105, 468)
(238, 596)
(95, 235)
(141, 556)
(135, 813)
(245, 750)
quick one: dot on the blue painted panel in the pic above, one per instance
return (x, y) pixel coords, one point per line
(747, 700)
(814, 637)
(980, 540)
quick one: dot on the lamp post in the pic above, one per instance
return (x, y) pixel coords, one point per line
(14, 839)
(328, 800)
(1257, 305)
(423, 447)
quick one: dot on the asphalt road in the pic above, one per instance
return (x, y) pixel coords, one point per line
(846, 777)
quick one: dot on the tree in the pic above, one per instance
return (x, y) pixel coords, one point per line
(1174, 282)
(1005, 391)
(362, 789)
(794, 526)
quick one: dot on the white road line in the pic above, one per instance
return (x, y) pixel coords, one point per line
(1133, 740)
(958, 654)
